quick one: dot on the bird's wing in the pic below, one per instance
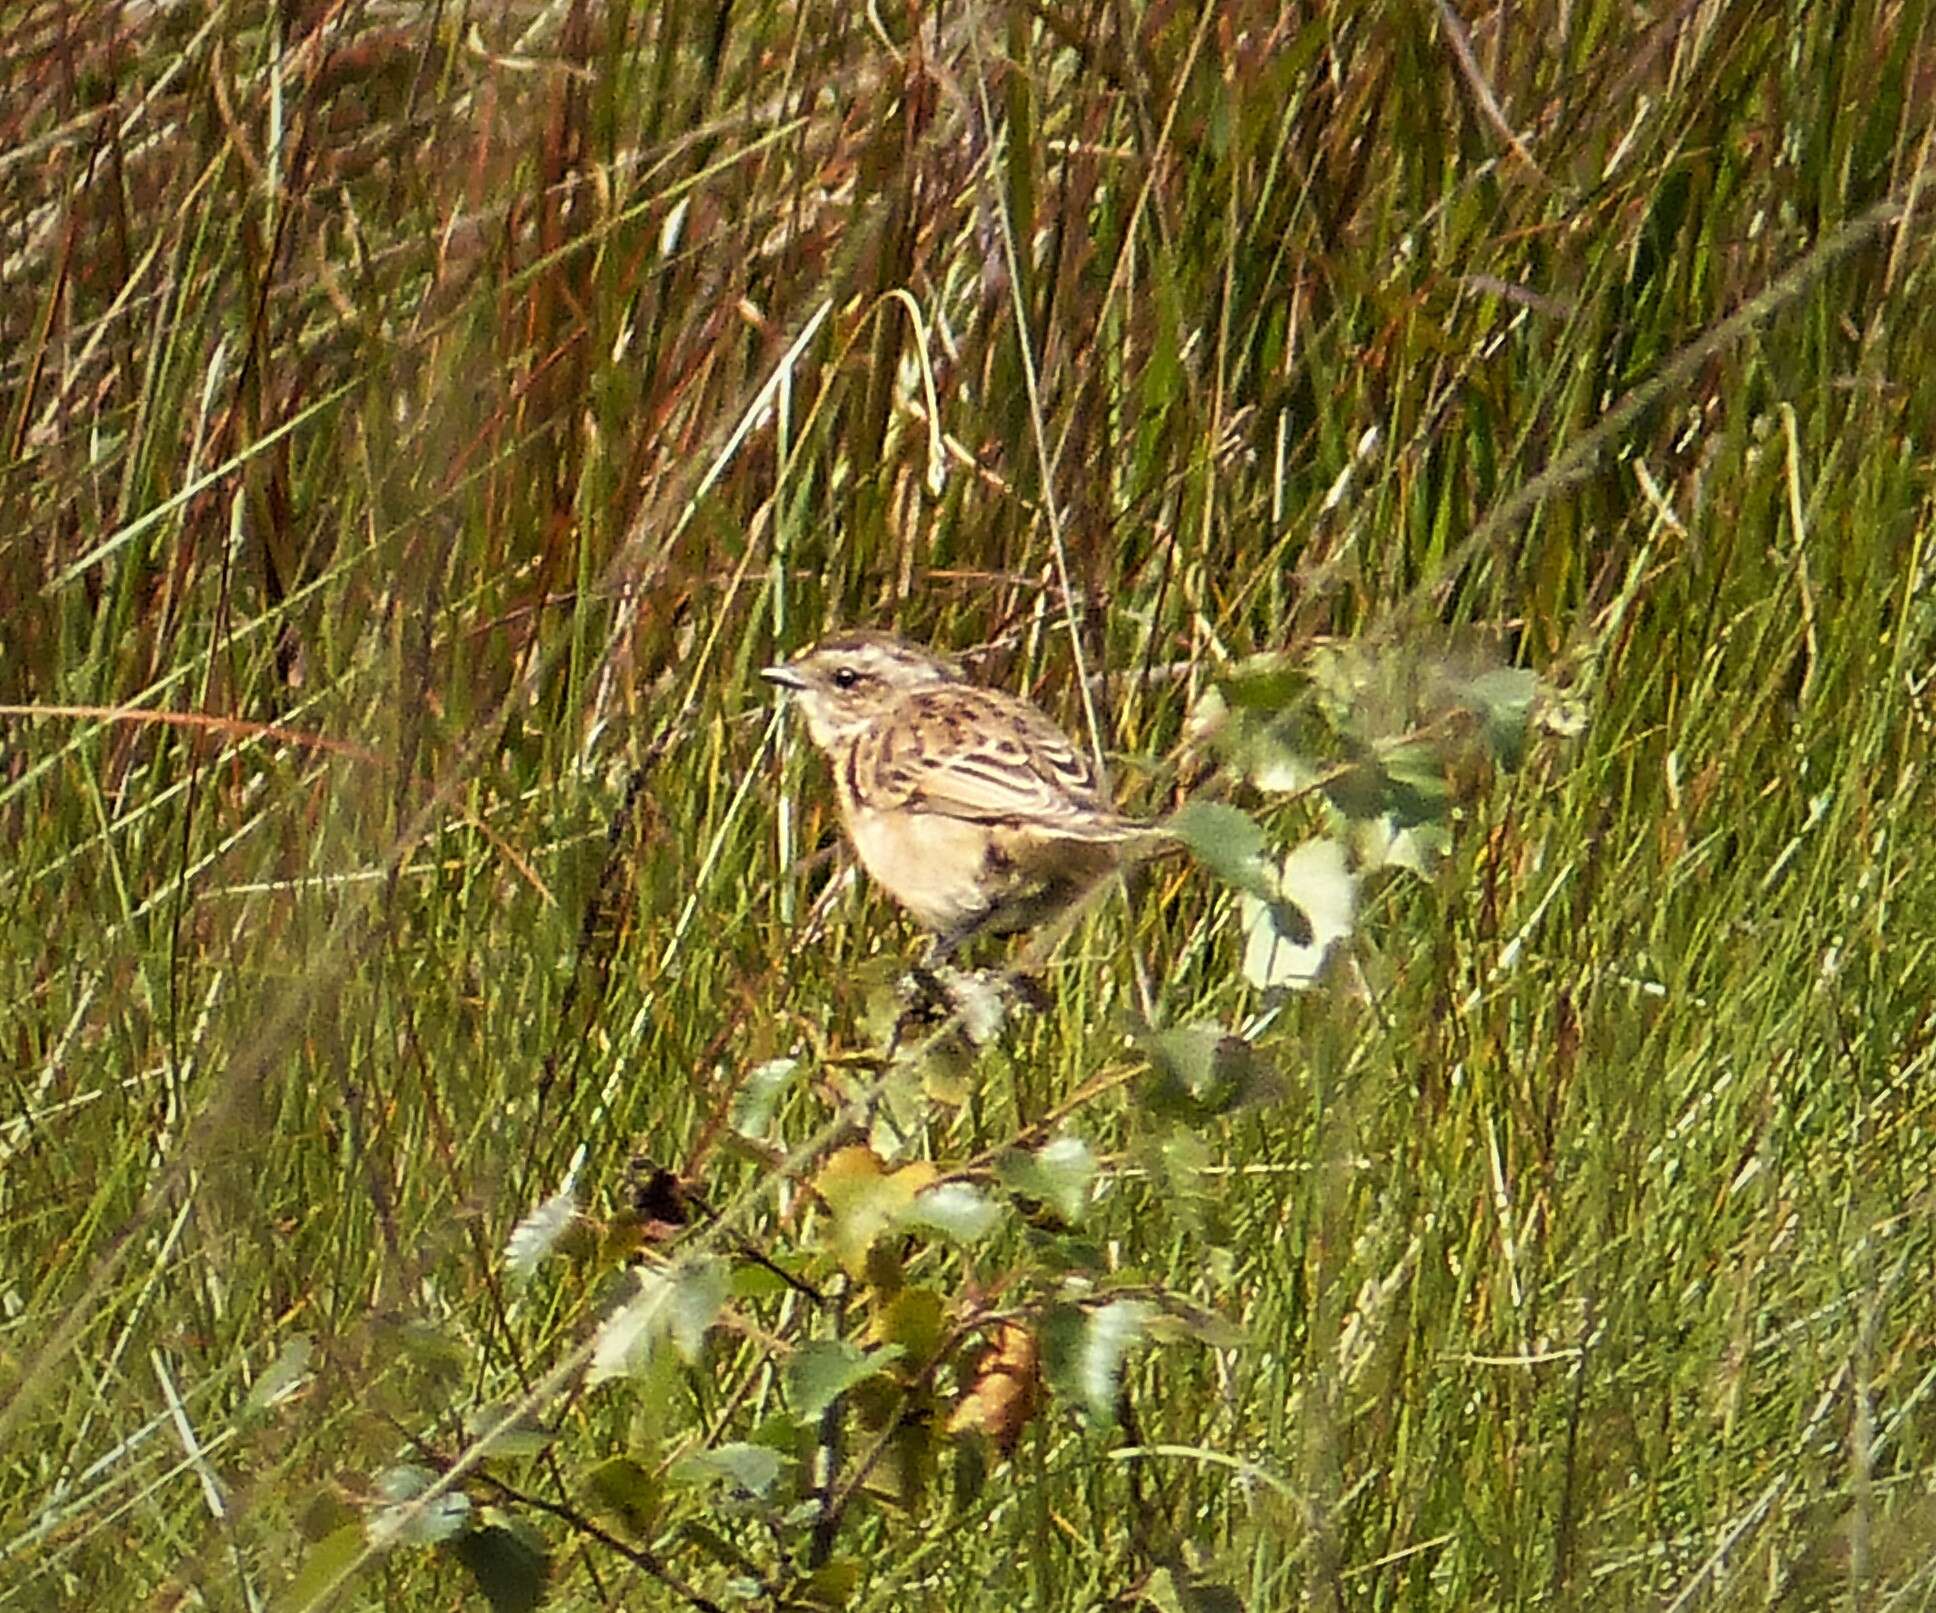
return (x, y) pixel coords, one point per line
(984, 756)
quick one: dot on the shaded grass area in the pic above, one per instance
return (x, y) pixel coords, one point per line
(441, 420)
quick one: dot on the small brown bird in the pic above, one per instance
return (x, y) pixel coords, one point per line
(973, 810)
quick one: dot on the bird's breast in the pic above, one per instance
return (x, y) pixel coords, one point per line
(937, 868)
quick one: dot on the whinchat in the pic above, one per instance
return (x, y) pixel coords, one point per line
(969, 806)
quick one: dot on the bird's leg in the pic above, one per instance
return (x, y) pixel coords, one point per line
(948, 942)
(924, 978)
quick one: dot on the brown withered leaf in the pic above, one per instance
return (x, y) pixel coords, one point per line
(1005, 1390)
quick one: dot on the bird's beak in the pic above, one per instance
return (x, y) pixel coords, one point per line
(784, 676)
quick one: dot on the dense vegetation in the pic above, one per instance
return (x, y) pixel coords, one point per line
(458, 1141)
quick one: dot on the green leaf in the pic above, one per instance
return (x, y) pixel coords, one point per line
(1111, 1332)
(1382, 842)
(1225, 841)
(955, 1210)
(1261, 720)
(509, 1562)
(621, 1488)
(832, 1584)
(1274, 763)
(1178, 1321)
(1182, 1161)
(902, 1110)
(760, 1094)
(1189, 1052)
(431, 1347)
(285, 1375)
(1346, 677)
(623, 1344)
(325, 1570)
(1083, 1351)
(538, 1233)
(1358, 790)
(1182, 1058)
(752, 1468)
(699, 1290)
(1415, 788)
(1061, 1174)
(822, 1370)
(1504, 701)
(1211, 1596)
(407, 1520)
(866, 1199)
(1313, 905)
(677, 1302)
(1203, 1071)
(1068, 1253)
(1174, 1589)
(753, 1281)
(1270, 683)
(910, 1324)
(324, 1513)
(522, 1435)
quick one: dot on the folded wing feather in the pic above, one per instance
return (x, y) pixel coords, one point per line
(982, 755)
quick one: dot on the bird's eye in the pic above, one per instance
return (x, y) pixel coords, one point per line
(846, 678)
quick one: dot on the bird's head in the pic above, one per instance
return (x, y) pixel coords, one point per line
(845, 683)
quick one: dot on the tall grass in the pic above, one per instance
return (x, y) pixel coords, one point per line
(424, 422)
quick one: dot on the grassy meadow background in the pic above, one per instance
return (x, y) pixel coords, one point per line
(422, 423)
